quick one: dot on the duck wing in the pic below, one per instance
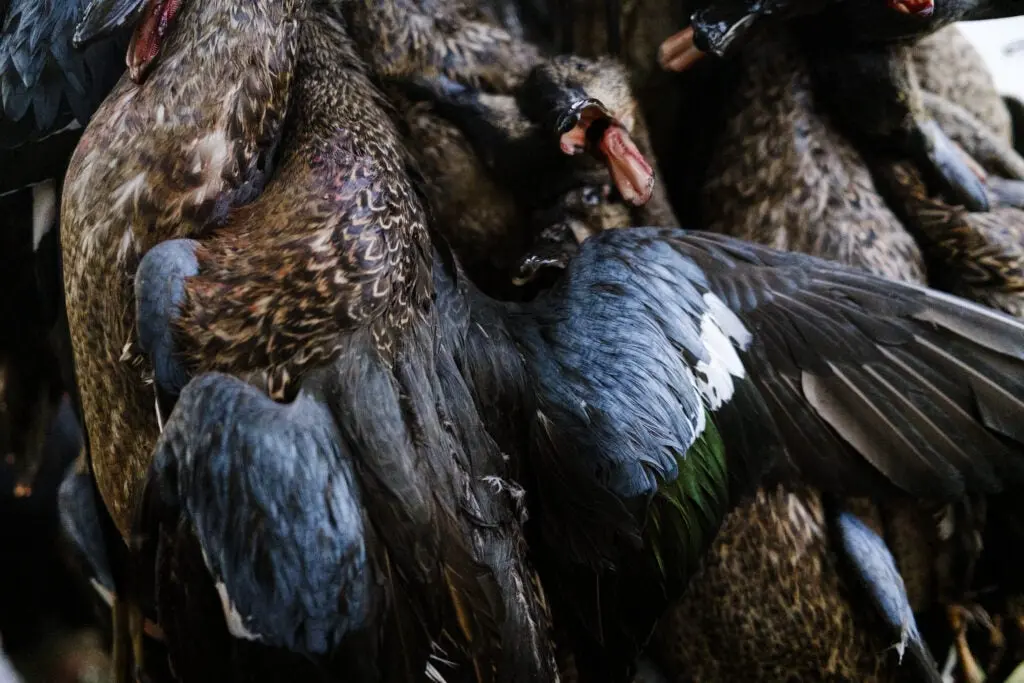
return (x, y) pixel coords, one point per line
(854, 383)
(870, 382)
(270, 495)
(672, 371)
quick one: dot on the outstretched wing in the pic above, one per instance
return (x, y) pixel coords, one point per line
(849, 381)
(272, 499)
(870, 380)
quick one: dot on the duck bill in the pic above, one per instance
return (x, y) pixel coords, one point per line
(588, 126)
(152, 20)
(718, 30)
(573, 125)
(632, 174)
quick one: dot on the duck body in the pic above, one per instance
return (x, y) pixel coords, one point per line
(776, 135)
(838, 211)
(320, 292)
(159, 160)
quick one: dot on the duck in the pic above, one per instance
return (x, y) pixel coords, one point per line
(867, 54)
(210, 163)
(457, 44)
(428, 557)
(207, 164)
(498, 348)
(467, 142)
(838, 212)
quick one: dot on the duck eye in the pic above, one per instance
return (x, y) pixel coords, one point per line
(592, 196)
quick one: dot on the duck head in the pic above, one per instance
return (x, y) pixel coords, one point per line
(153, 20)
(589, 105)
(724, 26)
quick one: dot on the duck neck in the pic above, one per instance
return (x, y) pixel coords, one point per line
(332, 84)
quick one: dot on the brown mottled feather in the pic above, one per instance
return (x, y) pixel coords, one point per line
(402, 38)
(343, 245)
(161, 160)
(334, 260)
(979, 256)
(969, 84)
(777, 548)
(784, 177)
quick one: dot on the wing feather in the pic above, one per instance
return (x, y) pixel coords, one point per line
(869, 383)
(272, 498)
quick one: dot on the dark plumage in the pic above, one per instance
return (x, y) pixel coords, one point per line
(47, 86)
(642, 404)
(865, 78)
(451, 41)
(253, 478)
(724, 27)
(502, 194)
(875, 570)
(329, 268)
(667, 370)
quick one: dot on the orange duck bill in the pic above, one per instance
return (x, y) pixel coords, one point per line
(590, 127)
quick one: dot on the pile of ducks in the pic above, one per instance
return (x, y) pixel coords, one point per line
(392, 361)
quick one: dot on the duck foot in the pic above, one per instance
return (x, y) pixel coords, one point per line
(553, 248)
(961, 617)
(958, 179)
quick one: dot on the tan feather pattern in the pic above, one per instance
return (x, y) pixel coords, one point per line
(161, 160)
(977, 255)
